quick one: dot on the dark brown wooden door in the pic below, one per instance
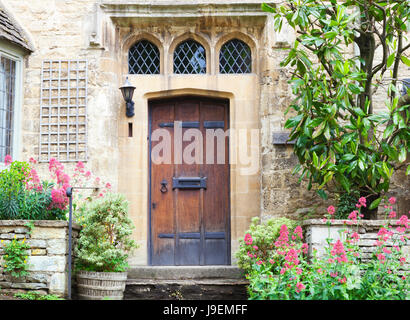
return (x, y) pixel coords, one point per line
(189, 196)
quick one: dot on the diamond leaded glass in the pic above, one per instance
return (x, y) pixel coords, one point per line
(235, 57)
(143, 58)
(189, 57)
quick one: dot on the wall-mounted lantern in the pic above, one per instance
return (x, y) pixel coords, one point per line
(127, 90)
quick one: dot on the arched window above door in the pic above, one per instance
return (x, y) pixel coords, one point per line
(190, 58)
(235, 57)
(144, 58)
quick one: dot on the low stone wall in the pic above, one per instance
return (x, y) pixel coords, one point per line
(47, 257)
(316, 232)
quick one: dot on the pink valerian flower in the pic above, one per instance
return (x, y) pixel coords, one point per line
(355, 236)
(381, 257)
(298, 270)
(386, 250)
(248, 239)
(331, 210)
(79, 166)
(343, 280)
(108, 185)
(32, 160)
(392, 200)
(333, 274)
(362, 202)
(292, 258)
(353, 215)
(403, 221)
(8, 160)
(320, 271)
(87, 174)
(402, 260)
(300, 287)
(259, 262)
(392, 214)
(59, 198)
(255, 247)
(283, 270)
(283, 236)
(298, 232)
(271, 261)
(305, 248)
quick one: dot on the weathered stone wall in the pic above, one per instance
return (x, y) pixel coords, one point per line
(317, 231)
(47, 257)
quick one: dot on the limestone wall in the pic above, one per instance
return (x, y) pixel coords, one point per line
(47, 256)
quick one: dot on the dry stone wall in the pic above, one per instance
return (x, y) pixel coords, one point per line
(47, 256)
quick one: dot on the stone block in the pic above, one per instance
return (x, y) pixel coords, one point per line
(45, 263)
(57, 283)
(37, 243)
(48, 233)
(57, 246)
(38, 252)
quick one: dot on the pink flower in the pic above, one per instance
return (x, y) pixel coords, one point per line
(355, 236)
(392, 214)
(331, 210)
(259, 262)
(392, 200)
(271, 261)
(353, 215)
(299, 287)
(255, 247)
(32, 160)
(402, 260)
(8, 160)
(283, 270)
(108, 185)
(333, 274)
(403, 221)
(343, 280)
(386, 250)
(381, 257)
(248, 239)
(298, 232)
(362, 201)
(298, 271)
(305, 248)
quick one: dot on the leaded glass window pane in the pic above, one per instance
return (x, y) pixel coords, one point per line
(190, 58)
(7, 97)
(143, 58)
(235, 57)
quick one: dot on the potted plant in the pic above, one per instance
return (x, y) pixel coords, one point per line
(103, 247)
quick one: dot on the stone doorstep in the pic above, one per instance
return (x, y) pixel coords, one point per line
(214, 282)
(185, 272)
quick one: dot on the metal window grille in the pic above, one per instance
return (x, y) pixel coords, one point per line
(143, 58)
(235, 57)
(7, 98)
(189, 58)
(63, 111)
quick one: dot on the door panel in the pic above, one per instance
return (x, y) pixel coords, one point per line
(190, 220)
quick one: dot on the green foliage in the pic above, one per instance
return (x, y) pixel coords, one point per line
(346, 204)
(339, 139)
(263, 236)
(104, 241)
(34, 295)
(15, 258)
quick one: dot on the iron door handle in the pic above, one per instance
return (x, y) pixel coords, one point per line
(164, 187)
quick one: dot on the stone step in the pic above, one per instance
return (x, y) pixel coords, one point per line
(185, 283)
(185, 272)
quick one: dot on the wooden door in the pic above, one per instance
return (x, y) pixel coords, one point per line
(189, 195)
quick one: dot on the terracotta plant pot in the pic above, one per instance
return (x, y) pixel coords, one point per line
(100, 285)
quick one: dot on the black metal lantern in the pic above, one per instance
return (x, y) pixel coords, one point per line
(127, 91)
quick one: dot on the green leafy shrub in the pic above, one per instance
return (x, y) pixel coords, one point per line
(104, 241)
(262, 237)
(15, 258)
